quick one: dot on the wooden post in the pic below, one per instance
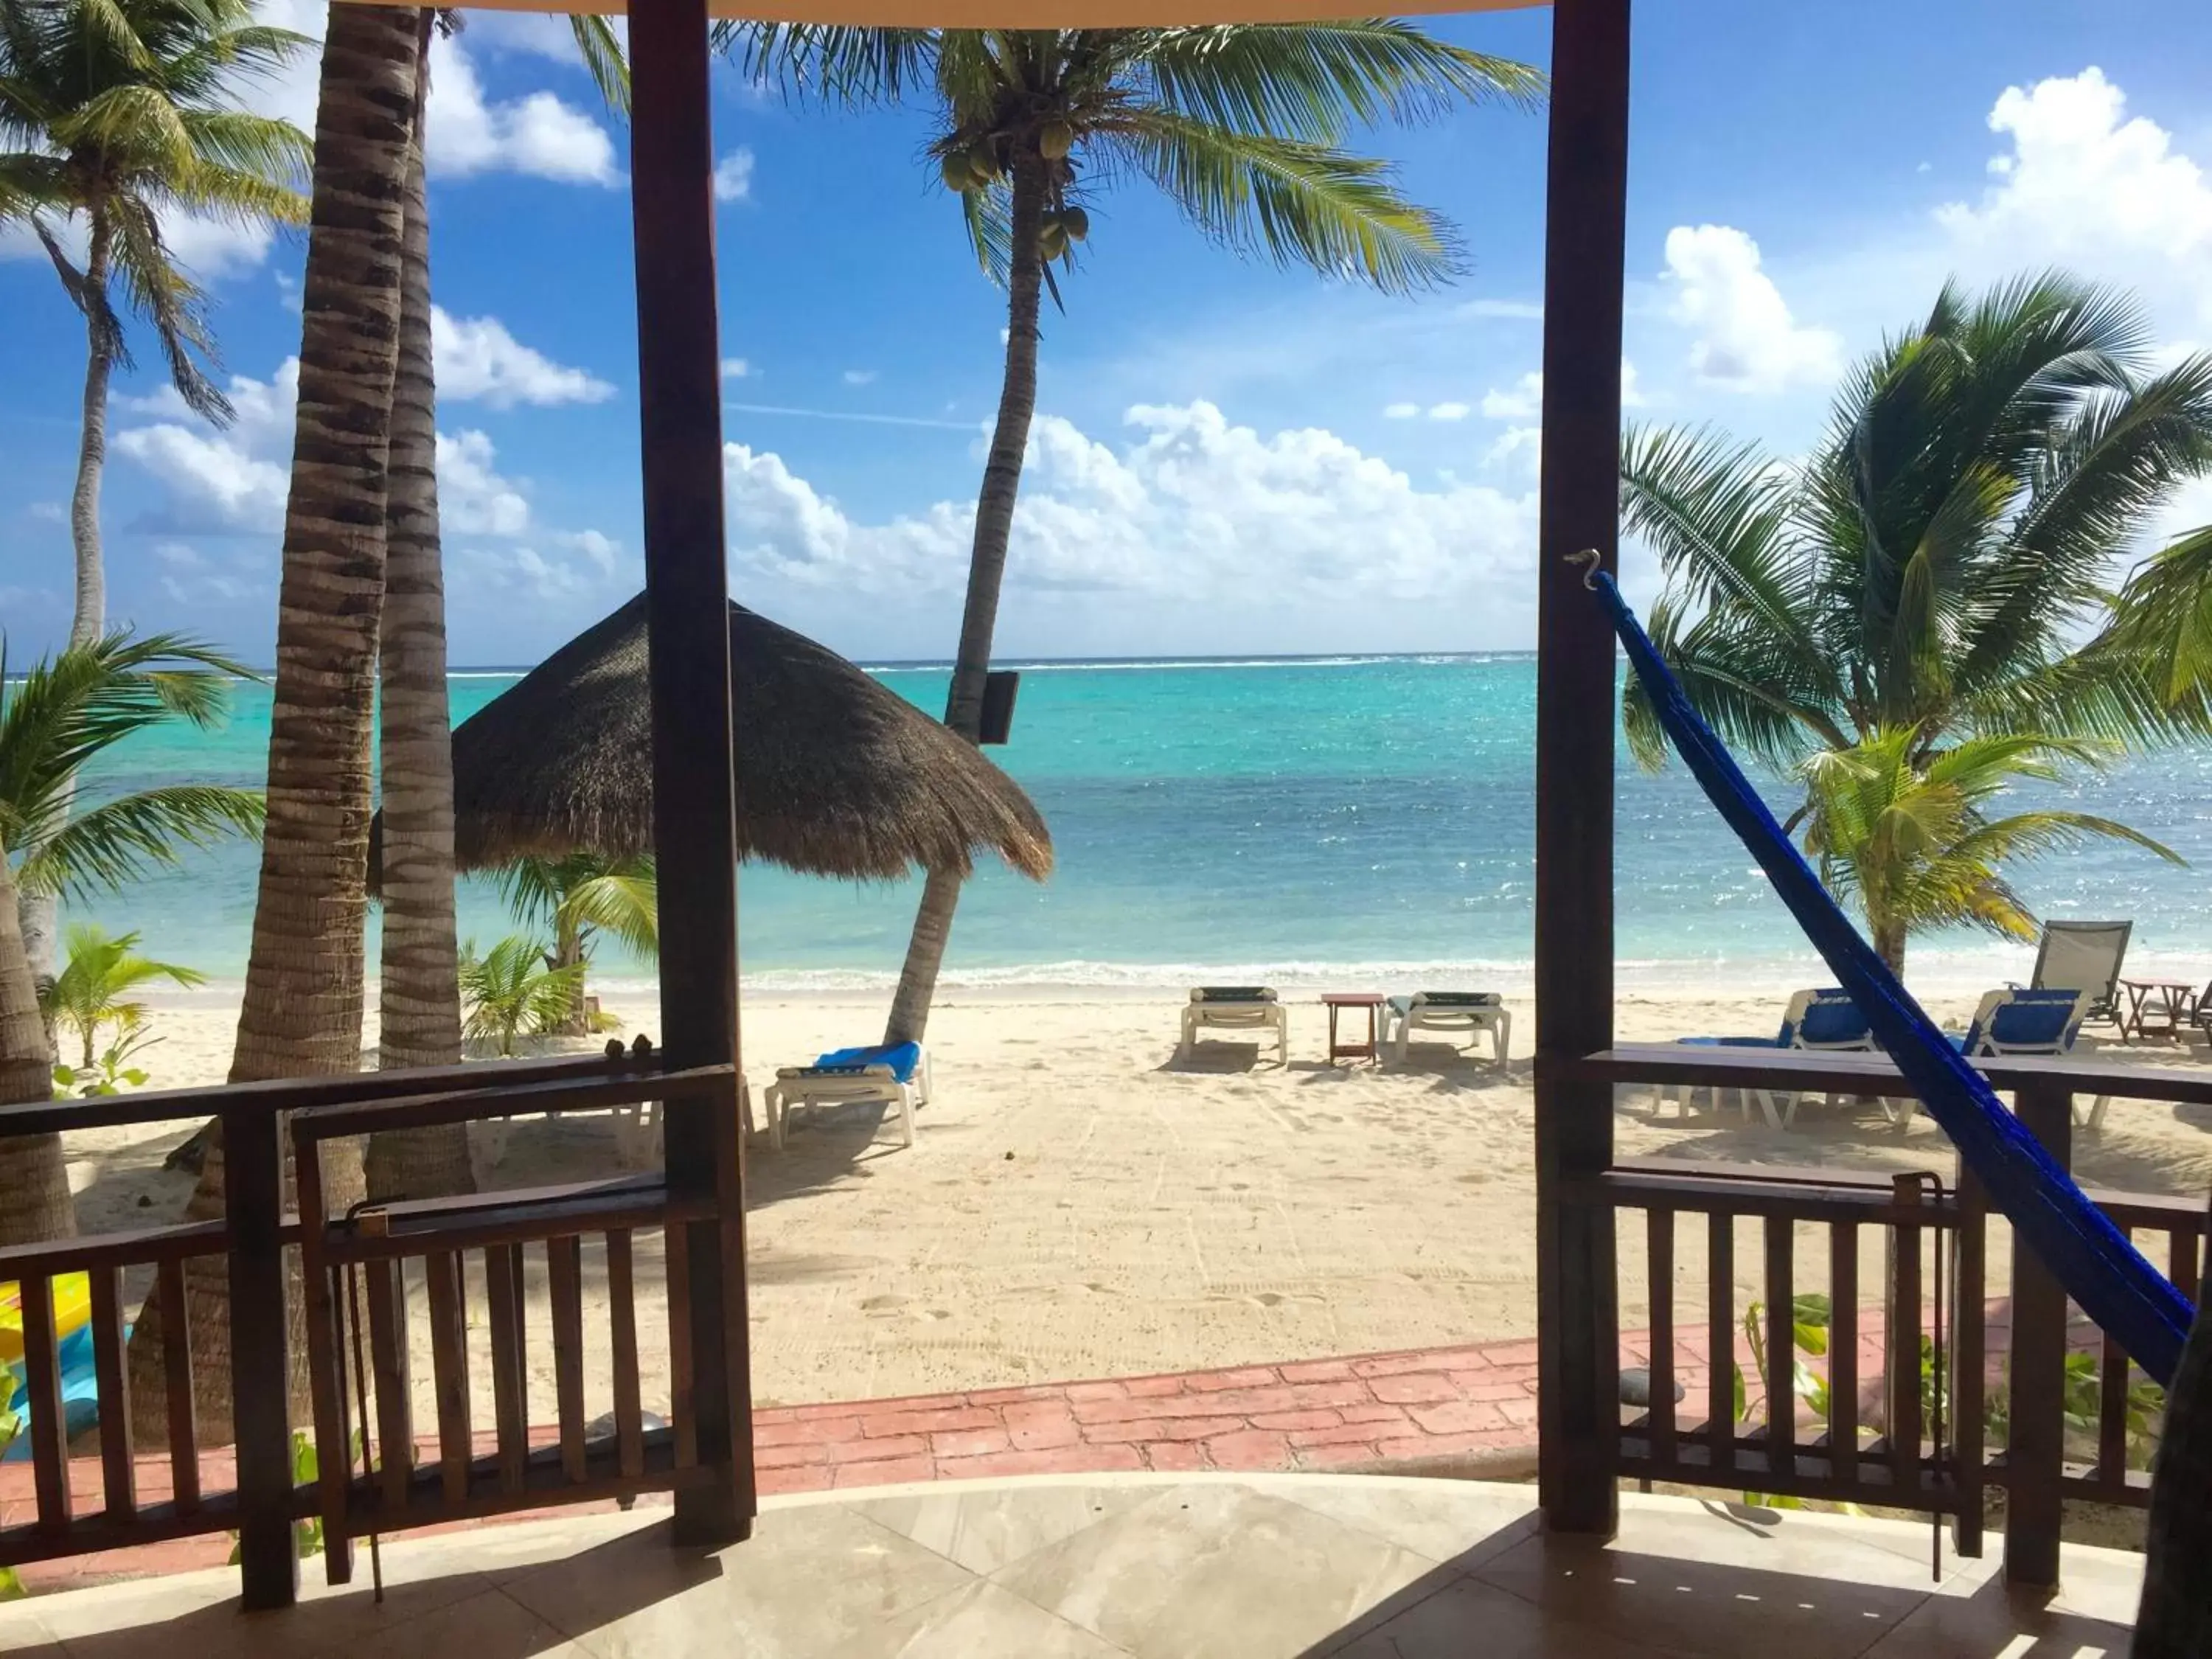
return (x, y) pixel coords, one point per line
(260, 1373)
(1584, 249)
(2035, 1449)
(695, 832)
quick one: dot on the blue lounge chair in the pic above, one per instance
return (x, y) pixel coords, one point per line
(897, 1074)
(1826, 1020)
(2019, 1020)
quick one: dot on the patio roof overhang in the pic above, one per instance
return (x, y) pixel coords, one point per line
(1011, 15)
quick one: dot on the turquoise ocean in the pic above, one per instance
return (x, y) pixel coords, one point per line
(1363, 819)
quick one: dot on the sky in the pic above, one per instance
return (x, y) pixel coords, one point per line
(1228, 458)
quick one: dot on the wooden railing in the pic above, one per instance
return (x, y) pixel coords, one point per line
(1946, 1422)
(255, 1237)
(359, 1268)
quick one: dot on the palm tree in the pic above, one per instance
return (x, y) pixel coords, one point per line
(120, 112)
(36, 1204)
(580, 896)
(2164, 616)
(1241, 125)
(418, 994)
(511, 991)
(1909, 836)
(91, 994)
(1936, 572)
(301, 1012)
(418, 985)
(69, 709)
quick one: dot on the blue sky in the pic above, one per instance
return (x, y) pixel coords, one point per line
(1228, 458)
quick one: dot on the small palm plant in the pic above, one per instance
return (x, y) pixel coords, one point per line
(74, 707)
(510, 992)
(582, 896)
(90, 996)
(1908, 835)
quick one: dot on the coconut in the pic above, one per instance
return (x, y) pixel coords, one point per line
(1054, 140)
(1076, 222)
(1052, 240)
(956, 173)
(982, 165)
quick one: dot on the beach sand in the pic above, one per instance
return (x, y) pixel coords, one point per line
(1078, 1204)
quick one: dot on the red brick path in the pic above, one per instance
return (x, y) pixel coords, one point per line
(1370, 1410)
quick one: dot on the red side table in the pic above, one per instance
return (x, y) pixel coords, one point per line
(1336, 1002)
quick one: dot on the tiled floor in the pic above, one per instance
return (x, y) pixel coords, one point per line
(1153, 1567)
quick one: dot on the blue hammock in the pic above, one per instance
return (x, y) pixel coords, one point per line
(2130, 1299)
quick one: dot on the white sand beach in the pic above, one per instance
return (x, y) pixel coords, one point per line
(1078, 1204)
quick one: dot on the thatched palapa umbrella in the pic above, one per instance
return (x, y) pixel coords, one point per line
(837, 775)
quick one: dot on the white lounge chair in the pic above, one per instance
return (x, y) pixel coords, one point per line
(638, 1140)
(2044, 1021)
(897, 1074)
(1466, 1014)
(1246, 1008)
(2084, 956)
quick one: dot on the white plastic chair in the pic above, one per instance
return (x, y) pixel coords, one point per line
(1246, 1008)
(1462, 1013)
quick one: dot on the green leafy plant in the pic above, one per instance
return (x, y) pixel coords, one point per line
(91, 994)
(109, 1071)
(510, 992)
(306, 1470)
(582, 897)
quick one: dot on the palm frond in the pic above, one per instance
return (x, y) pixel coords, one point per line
(109, 845)
(605, 60)
(1311, 80)
(1294, 203)
(2162, 618)
(857, 67)
(622, 902)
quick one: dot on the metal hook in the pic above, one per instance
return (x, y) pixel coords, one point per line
(1588, 559)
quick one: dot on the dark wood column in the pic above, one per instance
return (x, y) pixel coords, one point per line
(1586, 205)
(695, 838)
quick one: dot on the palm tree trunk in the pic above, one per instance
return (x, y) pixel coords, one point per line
(302, 1011)
(986, 568)
(40, 912)
(1889, 944)
(568, 952)
(34, 1190)
(419, 991)
(91, 617)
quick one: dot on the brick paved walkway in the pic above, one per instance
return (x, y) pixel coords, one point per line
(1408, 1411)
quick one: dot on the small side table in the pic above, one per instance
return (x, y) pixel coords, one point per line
(1336, 1002)
(2158, 1007)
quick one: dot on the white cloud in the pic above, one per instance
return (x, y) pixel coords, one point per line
(235, 482)
(736, 368)
(234, 479)
(859, 376)
(1745, 337)
(1517, 452)
(1522, 401)
(734, 176)
(1450, 412)
(478, 359)
(472, 497)
(1525, 311)
(537, 134)
(2079, 178)
(1401, 411)
(1189, 507)
(49, 511)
